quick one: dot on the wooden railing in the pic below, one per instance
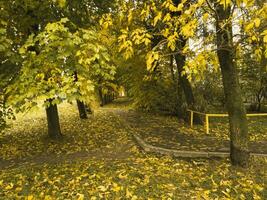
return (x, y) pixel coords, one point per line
(208, 115)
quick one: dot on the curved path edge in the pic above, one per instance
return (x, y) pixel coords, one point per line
(184, 154)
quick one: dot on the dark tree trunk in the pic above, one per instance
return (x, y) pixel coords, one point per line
(80, 104)
(237, 115)
(259, 102)
(184, 83)
(182, 79)
(82, 109)
(101, 97)
(53, 121)
(88, 109)
(180, 62)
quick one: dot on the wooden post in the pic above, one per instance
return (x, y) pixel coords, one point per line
(207, 124)
(191, 118)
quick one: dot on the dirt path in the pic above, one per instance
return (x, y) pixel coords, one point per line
(156, 131)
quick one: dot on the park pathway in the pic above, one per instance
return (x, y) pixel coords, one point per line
(164, 132)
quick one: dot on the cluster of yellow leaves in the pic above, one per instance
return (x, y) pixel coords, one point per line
(174, 22)
(61, 3)
(126, 45)
(140, 36)
(152, 58)
(197, 66)
(106, 21)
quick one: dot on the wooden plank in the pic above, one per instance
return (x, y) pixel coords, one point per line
(196, 112)
(185, 154)
(226, 115)
(218, 115)
(207, 124)
(256, 114)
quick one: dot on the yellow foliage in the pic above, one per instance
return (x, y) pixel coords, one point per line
(157, 18)
(152, 56)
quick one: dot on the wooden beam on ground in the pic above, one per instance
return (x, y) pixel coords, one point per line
(184, 154)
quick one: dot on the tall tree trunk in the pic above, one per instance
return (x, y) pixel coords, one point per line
(188, 91)
(53, 121)
(237, 115)
(82, 109)
(80, 104)
(185, 84)
(101, 97)
(180, 62)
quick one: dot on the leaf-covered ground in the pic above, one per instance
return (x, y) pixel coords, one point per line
(171, 133)
(98, 159)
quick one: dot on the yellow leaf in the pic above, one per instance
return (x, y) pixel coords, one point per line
(48, 197)
(9, 187)
(180, 7)
(205, 17)
(61, 3)
(151, 58)
(30, 197)
(116, 187)
(157, 18)
(128, 193)
(81, 197)
(102, 188)
(167, 17)
(257, 22)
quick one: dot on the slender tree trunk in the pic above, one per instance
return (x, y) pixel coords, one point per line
(188, 91)
(237, 115)
(88, 109)
(82, 109)
(53, 121)
(185, 85)
(80, 104)
(101, 97)
(183, 81)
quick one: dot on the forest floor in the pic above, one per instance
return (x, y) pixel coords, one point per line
(99, 159)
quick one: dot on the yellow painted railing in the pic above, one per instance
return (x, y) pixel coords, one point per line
(207, 115)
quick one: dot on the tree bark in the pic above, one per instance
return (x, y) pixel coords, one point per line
(80, 104)
(101, 97)
(188, 91)
(82, 109)
(239, 152)
(53, 121)
(88, 109)
(184, 83)
(182, 79)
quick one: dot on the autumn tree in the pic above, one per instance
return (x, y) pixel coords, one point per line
(176, 22)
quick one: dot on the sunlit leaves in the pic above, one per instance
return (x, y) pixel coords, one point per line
(152, 58)
(106, 21)
(188, 30)
(157, 18)
(50, 60)
(61, 3)
(172, 39)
